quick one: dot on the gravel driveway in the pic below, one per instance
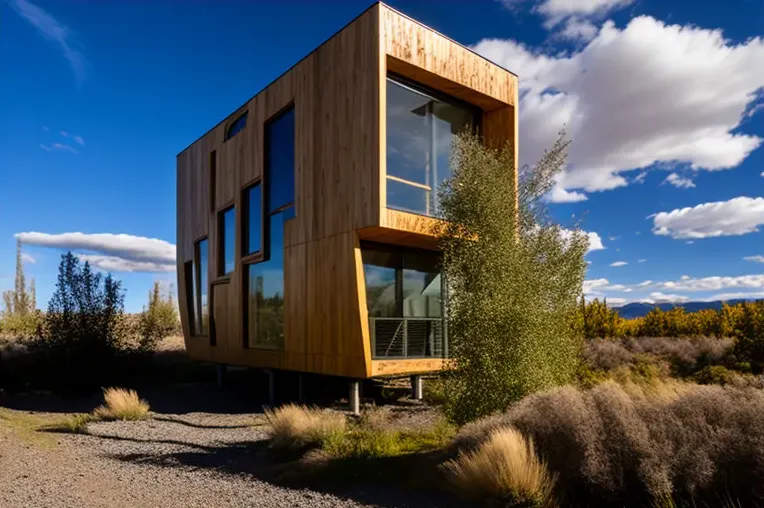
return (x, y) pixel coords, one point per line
(174, 460)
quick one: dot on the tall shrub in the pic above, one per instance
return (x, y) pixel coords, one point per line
(19, 317)
(159, 318)
(513, 280)
(84, 329)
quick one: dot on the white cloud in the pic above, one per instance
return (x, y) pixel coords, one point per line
(755, 259)
(53, 30)
(632, 97)
(560, 195)
(109, 251)
(59, 146)
(715, 283)
(641, 260)
(117, 264)
(679, 181)
(659, 297)
(619, 263)
(593, 285)
(737, 296)
(595, 242)
(578, 30)
(64, 134)
(557, 10)
(640, 178)
(79, 140)
(27, 258)
(738, 216)
(644, 283)
(762, 174)
(616, 301)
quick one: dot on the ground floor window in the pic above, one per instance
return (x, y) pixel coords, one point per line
(404, 297)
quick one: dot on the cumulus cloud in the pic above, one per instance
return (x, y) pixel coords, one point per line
(595, 242)
(110, 252)
(738, 216)
(557, 10)
(755, 259)
(679, 181)
(560, 195)
(715, 283)
(659, 297)
(53, 30)
(646, 94)
(615, 301)
(578, 30)
(619, 263)
(738, 296)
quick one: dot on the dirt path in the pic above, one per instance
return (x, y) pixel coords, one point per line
(190, 460)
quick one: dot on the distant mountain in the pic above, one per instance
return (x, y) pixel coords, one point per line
(639, 309)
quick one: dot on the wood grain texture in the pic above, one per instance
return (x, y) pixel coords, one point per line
(339, 96)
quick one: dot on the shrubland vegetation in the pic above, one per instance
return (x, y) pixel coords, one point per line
(561, 402)
(84, 339)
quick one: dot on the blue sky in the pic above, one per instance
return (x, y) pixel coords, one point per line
(662, 100)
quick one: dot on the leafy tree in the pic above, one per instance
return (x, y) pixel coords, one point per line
(749, 343)
(84, 329)
(159, 318)
(20, 314)
(513, 280)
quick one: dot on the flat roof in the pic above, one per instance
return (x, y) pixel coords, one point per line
(327, 40)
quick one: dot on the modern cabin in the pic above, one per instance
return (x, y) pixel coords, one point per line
(304, 218)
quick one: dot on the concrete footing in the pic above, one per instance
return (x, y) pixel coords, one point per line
(416, 387)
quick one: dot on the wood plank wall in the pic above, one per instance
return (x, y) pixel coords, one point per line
(335, 94)
(338, 92)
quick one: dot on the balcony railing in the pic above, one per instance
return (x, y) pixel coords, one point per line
(408, 337)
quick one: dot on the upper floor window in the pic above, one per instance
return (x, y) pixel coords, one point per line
(253, 219)
(227, 240)
(420, 129)
(196, 289)
(236, 126)
(279, 160)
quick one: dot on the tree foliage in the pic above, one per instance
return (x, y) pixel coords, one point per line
(513, 279)
(19, 316)
(84, 328)
(159, 318)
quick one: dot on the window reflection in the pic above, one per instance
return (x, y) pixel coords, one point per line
(420, 130)
(202, 286)
(227, 240)
(254, 212)
(279, 138)
(265, 293)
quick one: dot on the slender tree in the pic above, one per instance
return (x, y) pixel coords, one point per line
(513, 279)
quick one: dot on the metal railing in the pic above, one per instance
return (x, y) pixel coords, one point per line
(408, 337)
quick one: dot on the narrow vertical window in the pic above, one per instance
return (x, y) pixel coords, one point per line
(213, 179)
(226, 239)
(264, 280)
(190, 280)
(253, 219)
(197, 283)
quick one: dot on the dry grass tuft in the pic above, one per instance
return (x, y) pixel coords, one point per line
(294, 427)
(122, 404)
(506, 468)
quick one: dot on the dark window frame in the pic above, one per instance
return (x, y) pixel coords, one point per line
(236, 126)
(266, 162)
(258, 255)
(220, 250)
(197, 328)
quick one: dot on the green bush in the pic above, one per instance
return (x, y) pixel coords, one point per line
(714, 375)
(158, 320)
(514, 280)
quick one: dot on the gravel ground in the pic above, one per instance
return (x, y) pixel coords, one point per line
(174, 460)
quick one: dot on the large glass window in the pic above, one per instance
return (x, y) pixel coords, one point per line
(420, 130)
(404, 299)
(253, 213)
(279, 160)
(227, 240)
(265, 291)
(264, 280)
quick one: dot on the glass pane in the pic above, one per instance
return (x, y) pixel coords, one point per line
(280, 160)
(190, 280)
(228, 239)
(420, 130)
(236, 126)
(379, 270)
(254, 219)
(203, 285)
(265, 293)
(421, 294)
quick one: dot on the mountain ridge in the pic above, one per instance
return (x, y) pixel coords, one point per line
(639, 309)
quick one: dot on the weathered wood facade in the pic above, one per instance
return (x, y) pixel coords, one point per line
(339, 97)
